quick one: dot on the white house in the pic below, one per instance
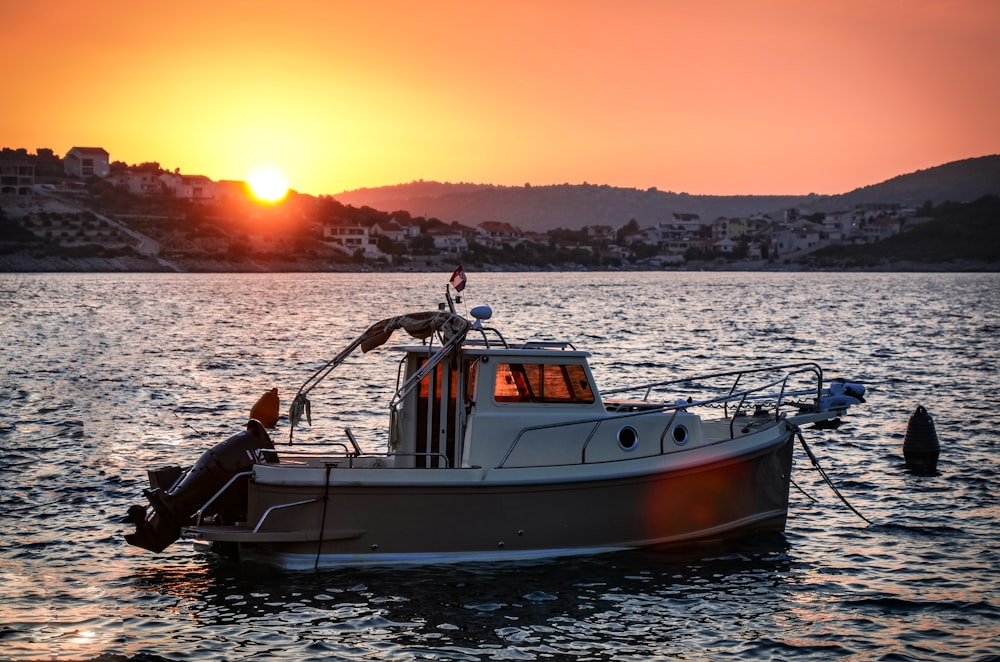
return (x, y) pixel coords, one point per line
(391, 230)
(138, 181)
(190, 187)
(498, 235)
(87, 162)
(450, 242)
(351, 238)
(800, 236)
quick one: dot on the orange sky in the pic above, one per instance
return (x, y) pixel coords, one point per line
(708, 96)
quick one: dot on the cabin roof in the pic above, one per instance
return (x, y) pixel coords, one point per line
(545, 353)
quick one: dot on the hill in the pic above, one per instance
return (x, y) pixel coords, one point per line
(966, 235)
(573, 206)
(958, 181)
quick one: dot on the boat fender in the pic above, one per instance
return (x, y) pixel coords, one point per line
(266, 409)
(920, 446)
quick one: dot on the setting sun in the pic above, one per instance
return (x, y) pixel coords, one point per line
(268, 184)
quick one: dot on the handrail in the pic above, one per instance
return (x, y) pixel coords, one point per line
(805, 366)
(351, 457)
(741, 395)
(201, 511)
(548, 344)
(666, 428)
(268, 512)
(432, 361)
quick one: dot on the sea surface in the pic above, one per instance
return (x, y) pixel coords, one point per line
(106, 375)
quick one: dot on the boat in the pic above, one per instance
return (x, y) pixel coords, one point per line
(499, 451)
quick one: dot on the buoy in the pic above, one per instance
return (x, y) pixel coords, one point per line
(266, 409)
(920, 447)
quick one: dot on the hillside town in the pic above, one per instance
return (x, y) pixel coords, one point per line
(86, 201)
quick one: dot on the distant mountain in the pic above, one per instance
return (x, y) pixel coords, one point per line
(958, 181)
(573, 206)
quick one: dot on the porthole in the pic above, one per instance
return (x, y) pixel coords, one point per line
(680, 435)
(628, 438)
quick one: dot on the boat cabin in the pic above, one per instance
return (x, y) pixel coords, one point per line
(468, 412)
(473, 400)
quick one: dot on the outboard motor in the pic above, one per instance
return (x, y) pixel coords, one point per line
(175, 505)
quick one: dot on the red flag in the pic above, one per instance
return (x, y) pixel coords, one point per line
(458, 279)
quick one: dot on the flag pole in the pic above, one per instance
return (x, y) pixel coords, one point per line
(457, 281)
(447, 296)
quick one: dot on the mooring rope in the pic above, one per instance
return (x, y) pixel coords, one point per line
(199, 432)
(803, 492)
(815, 463)
(322, 522)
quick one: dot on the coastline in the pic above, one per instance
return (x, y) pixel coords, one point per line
(25, 262)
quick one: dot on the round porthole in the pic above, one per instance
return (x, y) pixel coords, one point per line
(628, 438)
(680, 435)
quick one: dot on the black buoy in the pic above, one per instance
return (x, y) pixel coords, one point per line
(920, 447)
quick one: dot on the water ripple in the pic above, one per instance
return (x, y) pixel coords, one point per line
(107, 375)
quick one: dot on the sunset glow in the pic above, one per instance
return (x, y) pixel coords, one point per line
(716, 97)
(268, 184)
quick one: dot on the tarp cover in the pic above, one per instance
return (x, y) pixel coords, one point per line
(418, 325)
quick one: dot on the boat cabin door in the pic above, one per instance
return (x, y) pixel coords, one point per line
(432, 422)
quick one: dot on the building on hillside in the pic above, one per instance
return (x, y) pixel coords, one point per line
(650, 236)
(839, 225)
(499, 235)
(138, 180)
(350, 238)
(17, 176)
(755, 250)
(189, 187)
(449, 242)
(882, 228)
(869, 210)
(391, 230)
(537, 238)
(799, 236)
(87, 162)
(600, 233)
(691, 223)
(724, 246)
(688, 219)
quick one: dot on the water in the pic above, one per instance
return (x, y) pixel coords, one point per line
(106, 375)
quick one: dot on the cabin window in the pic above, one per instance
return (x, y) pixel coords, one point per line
(542, 382)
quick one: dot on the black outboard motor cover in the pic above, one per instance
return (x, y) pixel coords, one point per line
(174, 508)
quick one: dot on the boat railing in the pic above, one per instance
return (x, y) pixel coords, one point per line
(200, 513)
(758, 392)
(548, 344)
(282, 506)
(328, 453)
(485, 342)
(788, 371)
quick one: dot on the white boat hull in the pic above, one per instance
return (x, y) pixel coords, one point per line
(366, 517)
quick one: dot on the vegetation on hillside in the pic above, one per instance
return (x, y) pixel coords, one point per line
(957, 232)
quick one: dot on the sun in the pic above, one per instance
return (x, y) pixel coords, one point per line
(268, 184)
